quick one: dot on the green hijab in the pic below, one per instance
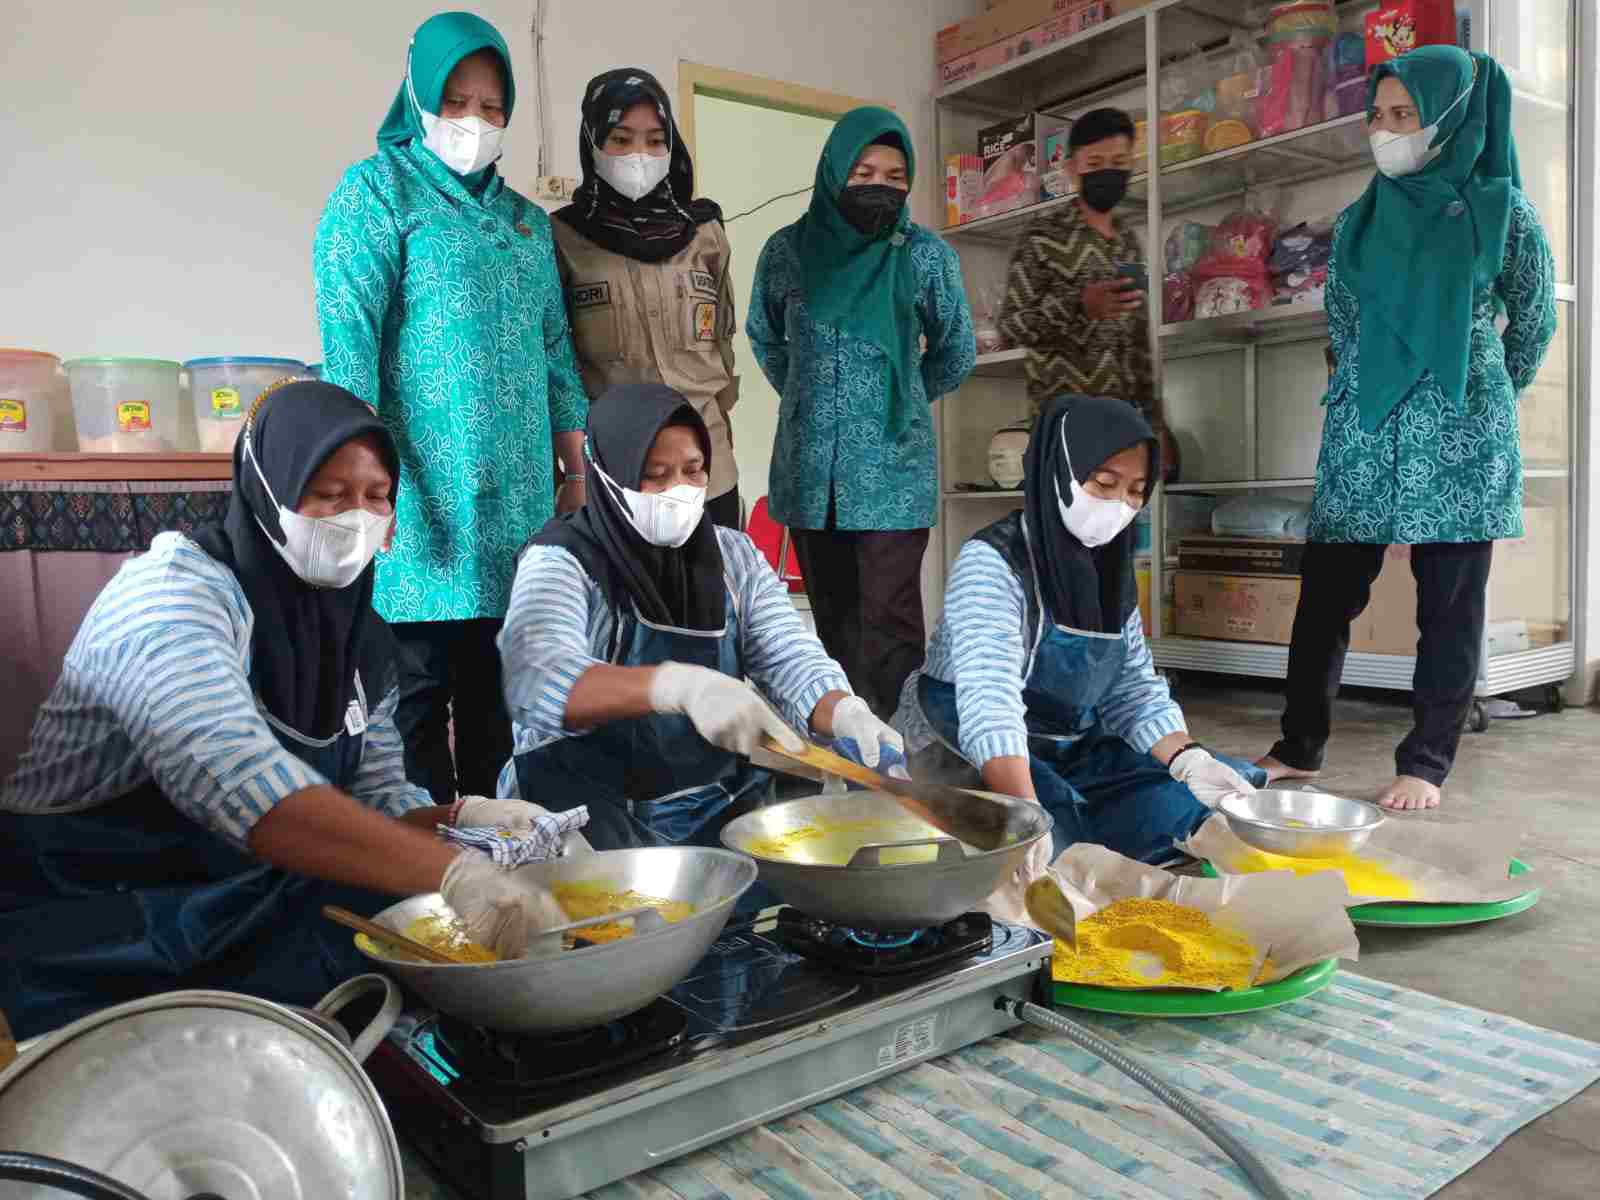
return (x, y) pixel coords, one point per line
(438, 45)
(1415, 250)
(862, 285)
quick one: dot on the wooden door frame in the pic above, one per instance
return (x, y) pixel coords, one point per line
(698, 79)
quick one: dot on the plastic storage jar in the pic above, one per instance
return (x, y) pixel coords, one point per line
(30, 388)
(125, 405)
(224, 390)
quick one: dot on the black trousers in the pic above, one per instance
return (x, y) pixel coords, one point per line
(452, 668)
(865, 589)
(725, 510)
(1336, 582)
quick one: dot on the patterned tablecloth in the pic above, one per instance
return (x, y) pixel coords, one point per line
(116, 516)
(1363, 1090)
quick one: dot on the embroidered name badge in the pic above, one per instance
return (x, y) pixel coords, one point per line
(591, 295)
(701, 281)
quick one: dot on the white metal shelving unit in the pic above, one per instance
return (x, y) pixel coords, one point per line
(1120, 62)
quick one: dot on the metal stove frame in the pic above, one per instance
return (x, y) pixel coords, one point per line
(713, 1090)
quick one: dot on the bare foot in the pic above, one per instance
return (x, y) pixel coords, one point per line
(1408, 792)
(1281, 770)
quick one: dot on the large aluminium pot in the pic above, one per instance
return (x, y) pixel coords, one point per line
(582, 988)
(198, 1092)
(899, 873)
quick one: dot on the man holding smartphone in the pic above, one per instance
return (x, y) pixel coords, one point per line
(1075, 293)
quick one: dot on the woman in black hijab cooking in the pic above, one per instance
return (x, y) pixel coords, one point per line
(1038, 677)
(633, 625)
(219, 758)
(645, 267)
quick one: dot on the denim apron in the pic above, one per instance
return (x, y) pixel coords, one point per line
(1096, 786)
(653, 780)
(133, 898)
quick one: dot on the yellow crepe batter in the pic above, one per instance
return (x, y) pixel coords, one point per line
(1155, 943)
(448, 935)
(833, 844)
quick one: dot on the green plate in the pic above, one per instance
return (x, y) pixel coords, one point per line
(1174, 1002)
(1436, 916)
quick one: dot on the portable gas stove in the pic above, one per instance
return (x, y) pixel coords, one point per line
(780, 1014)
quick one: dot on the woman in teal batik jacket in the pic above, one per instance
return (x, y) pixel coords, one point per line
(440, 305)
(859, 319)
(1420, 446)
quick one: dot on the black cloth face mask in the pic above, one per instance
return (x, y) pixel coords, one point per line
(1104, 190)
(872, 207)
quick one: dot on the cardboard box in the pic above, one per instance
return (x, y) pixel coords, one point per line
(1241, 556)
(1010, 166)
(1530, 581)
(1000, 23)
(1055, 180)
(1114, 8)
(1237, 608)
(1397, 28)
(963, 187)
(1016, 46)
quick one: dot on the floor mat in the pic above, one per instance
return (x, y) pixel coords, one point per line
(1363, 1090)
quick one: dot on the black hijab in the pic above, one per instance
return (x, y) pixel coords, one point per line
(682, 588)
(307, 643)
(1093, 590)
(663, 221)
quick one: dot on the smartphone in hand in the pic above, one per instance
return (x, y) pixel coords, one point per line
(1136, 273)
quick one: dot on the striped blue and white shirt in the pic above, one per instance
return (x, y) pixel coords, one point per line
(156, 685)
(559, 625)
(979, 646)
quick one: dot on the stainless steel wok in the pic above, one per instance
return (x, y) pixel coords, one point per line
(898, 872)
(581, 988)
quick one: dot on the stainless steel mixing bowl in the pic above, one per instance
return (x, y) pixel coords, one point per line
(900, 872)
(578, 989)
(1301, 824)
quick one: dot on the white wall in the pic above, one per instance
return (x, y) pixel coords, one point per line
(165, 163)
(746, 156)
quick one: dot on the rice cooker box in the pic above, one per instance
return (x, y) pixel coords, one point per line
(1010, 166)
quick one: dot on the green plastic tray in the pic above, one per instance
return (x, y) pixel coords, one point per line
(1436, 916)
(1179, 1003)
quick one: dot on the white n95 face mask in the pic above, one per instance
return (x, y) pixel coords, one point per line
(633, 175)
(666, 519)
(1093, 520)
(325, 552)
(1400, 154)
(465, 145)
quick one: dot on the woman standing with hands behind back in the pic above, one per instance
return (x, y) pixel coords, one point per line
(645, 267)
(440, 306)
(1420, 445)
(842, 303)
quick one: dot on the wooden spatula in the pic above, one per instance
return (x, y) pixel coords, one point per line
(8, 1044)
(966, 816)
(1050, 910)
(373, 930)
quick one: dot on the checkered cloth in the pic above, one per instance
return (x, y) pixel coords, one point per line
(514, 847)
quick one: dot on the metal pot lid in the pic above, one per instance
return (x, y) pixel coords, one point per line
(196, 1091)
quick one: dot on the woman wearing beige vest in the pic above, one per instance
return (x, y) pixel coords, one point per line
(645, 267)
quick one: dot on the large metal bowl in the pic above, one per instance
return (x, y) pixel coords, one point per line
(578, 989)
(904, 874)
(1301, 824)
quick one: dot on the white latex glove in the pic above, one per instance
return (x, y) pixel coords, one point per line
(1209, 779)
(727, 712)
(867, 739)
(502, 910)
(496, 814)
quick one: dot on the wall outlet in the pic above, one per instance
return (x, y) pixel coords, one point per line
(554, 187)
